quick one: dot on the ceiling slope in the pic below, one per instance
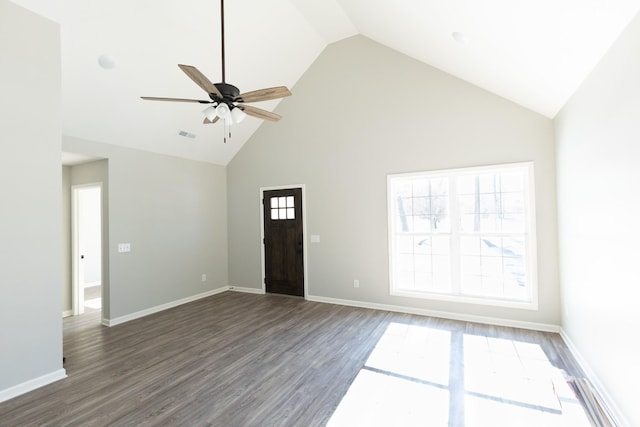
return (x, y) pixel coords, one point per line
(533, 53)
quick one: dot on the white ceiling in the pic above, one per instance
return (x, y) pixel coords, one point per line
(535, 53)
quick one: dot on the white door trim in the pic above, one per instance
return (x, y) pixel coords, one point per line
(304, 232)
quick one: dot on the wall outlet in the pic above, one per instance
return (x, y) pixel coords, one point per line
(204, 277)
(124, 247)
(356, 283)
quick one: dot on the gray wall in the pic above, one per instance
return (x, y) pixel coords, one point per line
(598, 151)
(31, 214)
(173, 213)
(363, 111)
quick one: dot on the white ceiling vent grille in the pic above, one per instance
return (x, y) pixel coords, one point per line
(187, 134)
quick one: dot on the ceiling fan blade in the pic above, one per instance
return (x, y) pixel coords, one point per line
(264, 94)
(208, 122)
(153, 98)
(200, 79)
(260, 113)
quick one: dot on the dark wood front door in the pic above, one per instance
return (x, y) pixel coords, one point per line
(284, 260)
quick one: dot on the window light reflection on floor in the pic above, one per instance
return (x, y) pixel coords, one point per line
(95, 303)
(407, 380)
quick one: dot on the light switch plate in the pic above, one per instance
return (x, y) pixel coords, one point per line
(315, 238)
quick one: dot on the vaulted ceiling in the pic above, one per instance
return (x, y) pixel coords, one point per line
(535, 53)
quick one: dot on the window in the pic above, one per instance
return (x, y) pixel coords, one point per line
(283, 208)
(464, 235)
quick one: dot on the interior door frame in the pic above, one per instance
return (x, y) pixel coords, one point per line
(77, 291)
(304, 233)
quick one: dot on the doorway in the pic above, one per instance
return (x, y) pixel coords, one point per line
(86, 244)
(283, 241)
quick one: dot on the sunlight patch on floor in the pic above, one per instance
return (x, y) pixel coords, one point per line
(95, 303)
(413, 351)
(424, 376)
(513, 383)
(376, 399)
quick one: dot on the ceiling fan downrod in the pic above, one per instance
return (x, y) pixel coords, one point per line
(222, 32)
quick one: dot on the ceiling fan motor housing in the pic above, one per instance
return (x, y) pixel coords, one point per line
(229, 93)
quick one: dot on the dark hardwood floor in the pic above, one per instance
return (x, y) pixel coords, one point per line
(265, 360)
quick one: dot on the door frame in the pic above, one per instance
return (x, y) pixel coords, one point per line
(304, 233)
(77, 291)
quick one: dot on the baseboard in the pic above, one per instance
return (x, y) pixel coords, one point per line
(441, 314)
(600, 389)
(67, 313)
(162, 307)
(31, 385)
(246, 290)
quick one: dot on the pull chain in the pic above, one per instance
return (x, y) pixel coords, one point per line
(226, 130)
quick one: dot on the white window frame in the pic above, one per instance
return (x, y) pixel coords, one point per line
(530, 231)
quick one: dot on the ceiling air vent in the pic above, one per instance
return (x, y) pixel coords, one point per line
(187, 134)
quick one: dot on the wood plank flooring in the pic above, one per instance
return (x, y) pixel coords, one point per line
(265, 360)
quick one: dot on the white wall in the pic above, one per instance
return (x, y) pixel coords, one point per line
(31, 213)
(363, 111)
(598, 152)
(173, 213)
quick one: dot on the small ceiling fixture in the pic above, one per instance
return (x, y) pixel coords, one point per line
(459, 37)
(107, 62)
(226, 102)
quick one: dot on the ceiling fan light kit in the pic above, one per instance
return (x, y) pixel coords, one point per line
(238, 115)
(223, 111)
(210, 112)
(226, 102)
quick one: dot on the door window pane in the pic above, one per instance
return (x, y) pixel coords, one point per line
(282, 208)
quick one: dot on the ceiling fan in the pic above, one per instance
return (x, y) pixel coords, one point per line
(226, 102)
